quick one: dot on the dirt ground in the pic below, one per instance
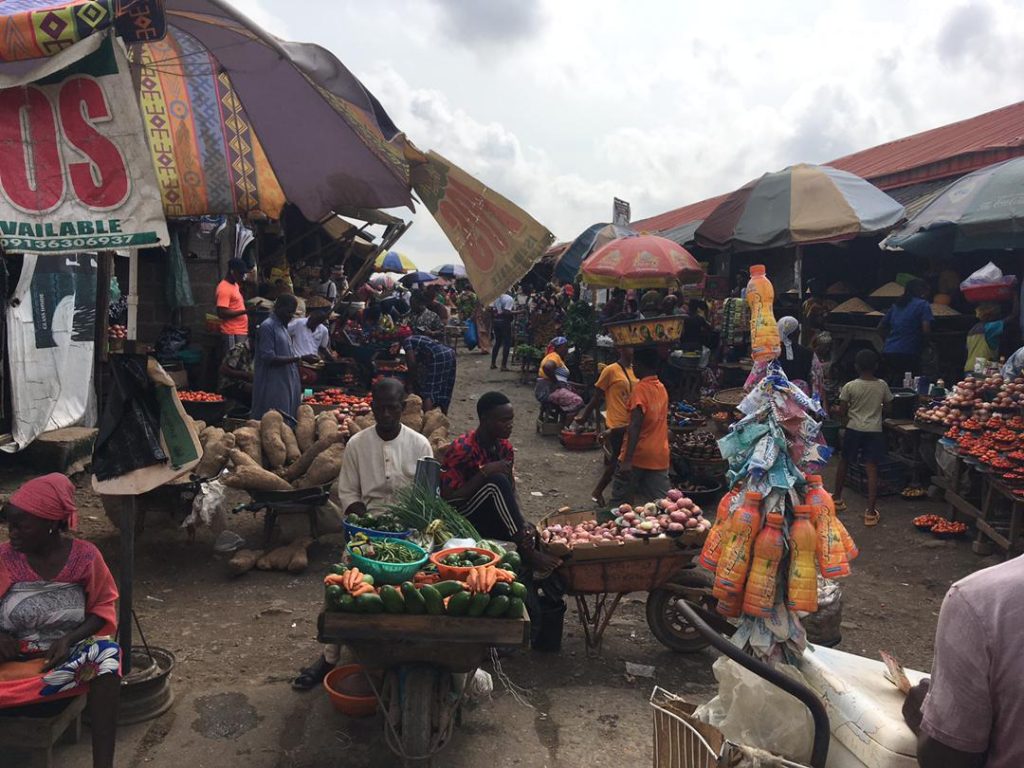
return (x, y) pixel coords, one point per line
(239, 642)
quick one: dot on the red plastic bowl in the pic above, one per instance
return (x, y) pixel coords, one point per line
(447, 572)
(578, 441)
(349, 691)
(1001, 291)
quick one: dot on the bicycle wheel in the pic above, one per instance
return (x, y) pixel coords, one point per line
(421, 699)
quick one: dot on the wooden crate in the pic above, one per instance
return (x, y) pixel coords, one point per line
(386, 628)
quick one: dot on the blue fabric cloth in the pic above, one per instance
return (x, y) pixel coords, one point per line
(274, 387)
(905, 335)
(435, 369)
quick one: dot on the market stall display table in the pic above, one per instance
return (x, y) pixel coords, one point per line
(996, 512)
(904, 443)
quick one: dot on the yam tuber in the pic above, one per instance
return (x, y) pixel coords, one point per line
(305, 429)
(325, 467)
(441, 433)
(326, 423)
(274, 451)
(243, 561)
(440, 447)
(253, 478)
(413, 421)
(364, 422)
(299, 559)
(299, 468)
(291, 445)
(413, 404)
(209, 435)
(215, 456)
(247, 439)
(240, 458)
(433, 420)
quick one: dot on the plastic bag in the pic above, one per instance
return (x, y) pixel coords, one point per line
(471, 336)
(990, 273)
(208, 507)
(129, 429)
(751, 711)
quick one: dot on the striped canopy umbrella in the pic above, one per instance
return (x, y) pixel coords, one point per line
(418, 278)
(592, 239)
(450, 271)
(393, 261)
(644, 261)
(983, 210)
(800, 205)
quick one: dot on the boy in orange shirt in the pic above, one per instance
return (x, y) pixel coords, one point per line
(642, 474)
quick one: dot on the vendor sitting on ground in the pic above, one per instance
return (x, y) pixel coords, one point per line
(552, 386)
(377, 464)
(642, 474)
(57, 615)
(432, 369)
(969, 713)
(236, 374)
(424, 321)
(477, 479)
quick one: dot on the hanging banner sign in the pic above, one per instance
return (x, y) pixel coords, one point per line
(75, 172)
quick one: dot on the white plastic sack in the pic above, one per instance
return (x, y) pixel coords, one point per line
(751, 711)
(988, 274)
(208, 507)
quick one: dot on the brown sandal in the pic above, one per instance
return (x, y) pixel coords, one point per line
(871, 518)
(840, 505)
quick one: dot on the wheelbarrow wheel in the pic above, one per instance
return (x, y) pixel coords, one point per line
(667, 624)
(420, 703)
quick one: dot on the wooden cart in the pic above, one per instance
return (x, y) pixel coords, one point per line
(599, 576)
(426, 662)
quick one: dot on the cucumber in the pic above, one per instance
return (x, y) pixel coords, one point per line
(458, 604)
(414, 601)
(333, 594)
(501, 589)
(516, 608)
(518, 590)
(513, 559)
(337, 569)
(347, 603)
(393, 602)
(497, 607)
(435, 605)
(370, 603)
(478, 603)
(447, 588)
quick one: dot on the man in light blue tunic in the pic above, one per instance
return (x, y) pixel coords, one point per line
(276, 374)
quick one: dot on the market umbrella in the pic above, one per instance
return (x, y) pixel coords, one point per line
(450, 271)
(393, 261)
(982, 210)
(591, 239)
(237, 120)
(799, 205)
(644, 261)
(418, 278)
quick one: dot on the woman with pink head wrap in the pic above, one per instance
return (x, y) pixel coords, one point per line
(57, 613)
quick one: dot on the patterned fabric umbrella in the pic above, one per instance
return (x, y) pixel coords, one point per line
(644, 261)
(983, 210)
(393, 261)
(799, 205)
(237, 120)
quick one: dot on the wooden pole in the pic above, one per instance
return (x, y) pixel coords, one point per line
(126, 582)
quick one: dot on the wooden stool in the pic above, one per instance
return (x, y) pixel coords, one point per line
(37, 735)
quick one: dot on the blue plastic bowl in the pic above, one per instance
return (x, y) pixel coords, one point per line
(390, 573)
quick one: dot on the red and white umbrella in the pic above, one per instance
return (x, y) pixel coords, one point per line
(647, 261)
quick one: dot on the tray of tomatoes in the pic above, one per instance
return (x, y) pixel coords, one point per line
(198, 396)
(948, 529)
(927, 522)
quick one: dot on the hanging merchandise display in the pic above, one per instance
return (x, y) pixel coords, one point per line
(776, 528)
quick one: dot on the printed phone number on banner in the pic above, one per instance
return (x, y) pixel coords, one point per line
(62, 244)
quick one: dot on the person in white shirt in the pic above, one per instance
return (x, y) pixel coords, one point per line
(310, 336)
(377, 464)
(327, 289)
(501, 329)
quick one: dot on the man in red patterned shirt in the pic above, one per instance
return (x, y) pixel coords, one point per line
(477, 479)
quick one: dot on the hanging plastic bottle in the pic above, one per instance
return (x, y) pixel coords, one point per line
(730, 606)
(769, 549)
(764, 333)
(833, 562)
(712, 548)
(802, 585)
(734, 563)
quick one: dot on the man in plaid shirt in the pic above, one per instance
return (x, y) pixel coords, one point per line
(431, 371)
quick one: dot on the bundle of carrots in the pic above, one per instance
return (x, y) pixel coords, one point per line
(351, 580)
(484, 578)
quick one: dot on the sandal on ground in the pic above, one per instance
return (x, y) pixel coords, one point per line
(312, 676)
(871, 518)
(840, 505)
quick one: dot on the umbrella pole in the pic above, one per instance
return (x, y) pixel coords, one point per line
(798, 269)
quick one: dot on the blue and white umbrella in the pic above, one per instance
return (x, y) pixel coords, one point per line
(450, 271)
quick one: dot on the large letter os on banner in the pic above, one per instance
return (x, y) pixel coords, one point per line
(32, 174)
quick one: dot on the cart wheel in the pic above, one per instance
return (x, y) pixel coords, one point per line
(420, 704)
(667, 624)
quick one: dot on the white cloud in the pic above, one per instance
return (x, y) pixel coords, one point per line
(563, 104)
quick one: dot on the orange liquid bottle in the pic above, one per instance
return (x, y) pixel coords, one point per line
(802, 589)
(734, 563)
(832, 559)
(764, 333)
(730, 606)
(769, 549)
(712, 549)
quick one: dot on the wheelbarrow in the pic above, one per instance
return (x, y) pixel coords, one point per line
(300, 501)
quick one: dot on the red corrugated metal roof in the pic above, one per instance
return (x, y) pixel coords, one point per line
(949, 151)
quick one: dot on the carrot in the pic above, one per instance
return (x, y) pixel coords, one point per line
(506, 576)
(425, 578)
(361, 589)
(353, 577)
(473, 580)
(489, 578)
(334, 578)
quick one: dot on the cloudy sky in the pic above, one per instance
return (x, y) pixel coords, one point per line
(561, 105)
